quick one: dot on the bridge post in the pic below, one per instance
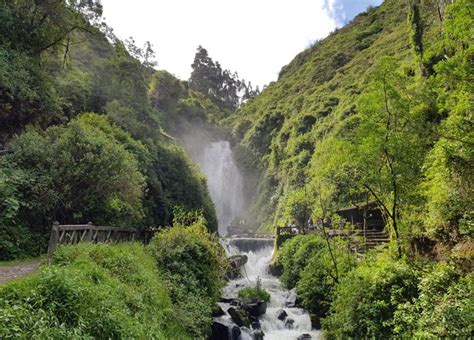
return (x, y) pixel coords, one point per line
(90, 232)
(53, 240)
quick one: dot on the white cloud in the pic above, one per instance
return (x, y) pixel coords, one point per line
(254, 37)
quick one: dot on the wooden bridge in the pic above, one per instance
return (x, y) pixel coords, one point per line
(75, 233)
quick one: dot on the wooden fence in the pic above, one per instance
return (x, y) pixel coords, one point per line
(75, 233)
(360, 240)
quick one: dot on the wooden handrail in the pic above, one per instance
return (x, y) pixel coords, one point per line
(75, 233)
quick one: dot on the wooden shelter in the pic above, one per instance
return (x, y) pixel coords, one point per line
(366, 216)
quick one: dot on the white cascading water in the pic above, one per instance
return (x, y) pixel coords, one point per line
(226, 189)
(257, 266)
(224, 181)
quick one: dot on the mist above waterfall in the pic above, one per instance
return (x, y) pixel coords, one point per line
(224, 179)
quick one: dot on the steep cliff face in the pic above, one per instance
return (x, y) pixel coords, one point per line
(316, 98)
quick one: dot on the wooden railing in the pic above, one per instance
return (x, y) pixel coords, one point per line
(75, 233)
(360, 240)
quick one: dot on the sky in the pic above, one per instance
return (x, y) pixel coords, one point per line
(253, 37)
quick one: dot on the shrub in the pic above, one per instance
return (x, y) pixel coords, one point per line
(78, 173)
(193, 263)
(320, 276)
(444, 309)
(256, 292)
(367, 297)
(98, 291)
(294, 256)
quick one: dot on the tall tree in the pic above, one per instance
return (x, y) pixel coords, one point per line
(209, 78)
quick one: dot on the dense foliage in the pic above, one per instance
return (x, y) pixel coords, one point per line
(364, 115)
(382, 296)
(114, 166)
(209, 78)
(193, 264)
(314, 266)
(367, 298)
(99, 291)
(164, 291)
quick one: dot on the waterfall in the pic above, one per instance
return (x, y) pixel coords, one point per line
(224, 181)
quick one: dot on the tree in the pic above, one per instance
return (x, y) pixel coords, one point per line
(79, 173)
(205, 75)
(209, 78)
(449, 181)
(145, 55)
(35, 27)
(31, 34)
(390, 141)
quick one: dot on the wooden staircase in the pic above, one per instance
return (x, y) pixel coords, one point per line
(369, 239)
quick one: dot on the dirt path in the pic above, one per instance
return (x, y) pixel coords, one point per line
(9, 273)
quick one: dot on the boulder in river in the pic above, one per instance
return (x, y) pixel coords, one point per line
(291, 299)
(224, 330)
(236, 332)
(217, 311)
(275, 269)
(254, 307)
(289, 323)
(237, 261)
(281, 314)
(304, 336)
(256, 324)
(238, 316)
(258, 334)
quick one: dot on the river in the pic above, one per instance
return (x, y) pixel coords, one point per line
(225, 184)
(259, 252)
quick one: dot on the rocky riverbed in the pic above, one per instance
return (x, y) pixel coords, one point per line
(280, 318)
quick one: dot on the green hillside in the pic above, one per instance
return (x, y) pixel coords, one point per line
(319, 135)
(81, 137)
(379, 114)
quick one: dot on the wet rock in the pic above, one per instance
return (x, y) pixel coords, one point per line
(222, 330)
(236, 332)
(251, 244)
(238, 261)
(289, 323)
(235, 263)
(315, 321)
(281, 314)
(255, 308)
(304, 336)
(292, 299)
(256, 324)
(275, 269)
(238, 316)
(258, 334)
(217, 311)
(235, 302)
(219, 331)
(233, 274)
